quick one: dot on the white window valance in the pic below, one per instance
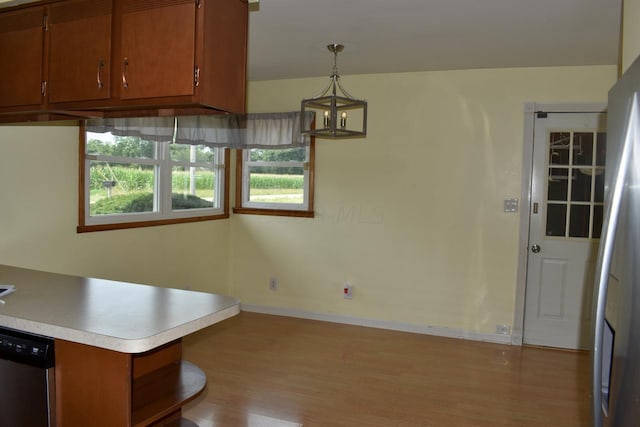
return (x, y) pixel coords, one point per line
(159, 129)
(275, 130)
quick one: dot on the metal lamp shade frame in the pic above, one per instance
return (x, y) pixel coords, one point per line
(332, 122)
(335, 106)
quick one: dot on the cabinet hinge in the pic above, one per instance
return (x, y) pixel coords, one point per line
(196, 76)
(541, 115)
(43, 88)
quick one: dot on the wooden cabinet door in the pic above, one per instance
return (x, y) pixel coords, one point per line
(21, 46)
(158, 48)
(79, 50)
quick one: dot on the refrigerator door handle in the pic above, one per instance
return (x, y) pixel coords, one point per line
(605, 255)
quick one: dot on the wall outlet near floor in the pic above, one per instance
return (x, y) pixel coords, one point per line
(347, 291)
(273, 284)
(503, 329)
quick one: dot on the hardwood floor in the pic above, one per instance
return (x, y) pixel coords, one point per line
(270, 371)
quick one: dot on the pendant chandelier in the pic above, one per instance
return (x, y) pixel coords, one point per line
(339, 115)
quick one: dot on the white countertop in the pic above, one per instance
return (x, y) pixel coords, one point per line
(124, 317)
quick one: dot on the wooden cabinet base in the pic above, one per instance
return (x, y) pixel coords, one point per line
(101, 387)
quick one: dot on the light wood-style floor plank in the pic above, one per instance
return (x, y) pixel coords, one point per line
(271, 371)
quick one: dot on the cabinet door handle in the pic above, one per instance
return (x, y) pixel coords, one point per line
(99, 74)
(125, 65)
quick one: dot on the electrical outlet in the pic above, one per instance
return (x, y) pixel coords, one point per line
(347, 291)
(503, 329)
(273, 284)
(511, 205)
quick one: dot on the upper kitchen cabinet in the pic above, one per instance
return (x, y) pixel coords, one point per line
(181, 54)
(225, 42)
(79, 50)
(21, 53)
(114, 58)
(157, 48)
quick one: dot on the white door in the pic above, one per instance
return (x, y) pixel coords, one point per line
(566, 219)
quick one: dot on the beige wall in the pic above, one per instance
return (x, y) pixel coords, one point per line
(412, 215)
(38, 217)
(630, 33)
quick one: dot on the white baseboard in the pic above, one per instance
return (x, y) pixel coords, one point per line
(381, 324)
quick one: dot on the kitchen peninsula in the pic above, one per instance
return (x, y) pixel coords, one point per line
(118, 350)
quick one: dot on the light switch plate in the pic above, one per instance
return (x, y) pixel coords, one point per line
(511, 205)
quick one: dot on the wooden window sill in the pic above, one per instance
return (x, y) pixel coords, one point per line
(274, 212)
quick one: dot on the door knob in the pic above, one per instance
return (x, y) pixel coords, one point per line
(535, 249)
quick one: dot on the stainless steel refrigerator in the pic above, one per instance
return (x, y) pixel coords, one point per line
(616, 346)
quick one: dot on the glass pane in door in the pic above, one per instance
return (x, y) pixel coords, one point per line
(582, 148)
(579, 221)
(597, 221)
(558, 184)
(581, 184)
(601, 149)
(599, 187)
(556, 220)
(559, 148)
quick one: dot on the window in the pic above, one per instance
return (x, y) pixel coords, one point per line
(275, 181)
(127, 181)
(575, 185)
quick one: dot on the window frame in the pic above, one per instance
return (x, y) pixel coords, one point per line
(163, 181)
(243, 206)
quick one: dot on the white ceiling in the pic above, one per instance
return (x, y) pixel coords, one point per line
(288, 38)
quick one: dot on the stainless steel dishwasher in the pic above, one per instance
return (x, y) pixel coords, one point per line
(27, 380)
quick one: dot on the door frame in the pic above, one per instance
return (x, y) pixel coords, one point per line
(530, 108)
